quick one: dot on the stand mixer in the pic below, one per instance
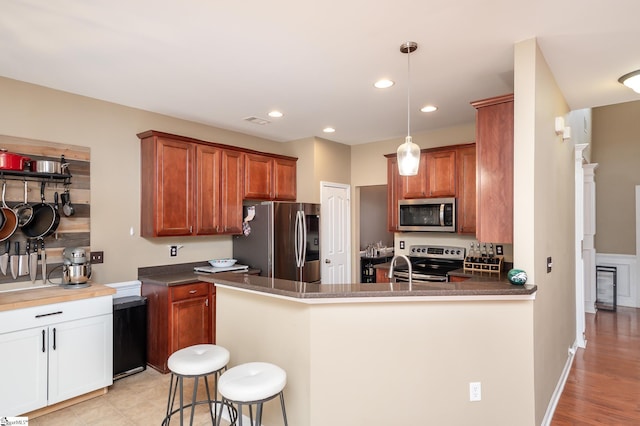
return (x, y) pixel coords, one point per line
(76, 267)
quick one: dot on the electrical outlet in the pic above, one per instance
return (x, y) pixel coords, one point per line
(97, 257)
(401, 245)
(499, 250)
(475, 391)
(549, 264)
(174, 251)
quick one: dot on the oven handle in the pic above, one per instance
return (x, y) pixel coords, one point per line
(404, 277)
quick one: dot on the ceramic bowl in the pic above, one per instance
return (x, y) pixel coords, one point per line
(222, 263)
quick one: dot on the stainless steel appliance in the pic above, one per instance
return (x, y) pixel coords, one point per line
(430, 263)
(76, 267)
(427, 214)
(283, 242)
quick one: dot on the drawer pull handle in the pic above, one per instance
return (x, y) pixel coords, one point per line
(49, 314)
(193, 291)
(54, 339)
(43, 344)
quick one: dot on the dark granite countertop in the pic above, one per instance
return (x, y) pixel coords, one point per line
(301, 290)
(170, 275)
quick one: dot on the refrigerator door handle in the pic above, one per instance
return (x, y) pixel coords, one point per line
(297, 237)
(303, 245)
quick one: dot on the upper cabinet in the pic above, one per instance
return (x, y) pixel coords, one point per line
(466, 170)
(494, 150)
(438, 176)
(191, 187)
(269, 177)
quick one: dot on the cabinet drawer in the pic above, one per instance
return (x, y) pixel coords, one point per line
(188, 291)
(38, 316)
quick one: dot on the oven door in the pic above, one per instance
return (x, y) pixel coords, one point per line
(417, 277)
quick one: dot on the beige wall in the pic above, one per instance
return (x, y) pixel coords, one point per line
(544, 215)
(616, 149)
(110, 130)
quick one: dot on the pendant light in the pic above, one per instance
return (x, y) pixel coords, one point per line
(408, 152)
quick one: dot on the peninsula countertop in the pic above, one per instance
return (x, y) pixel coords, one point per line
(474, 288)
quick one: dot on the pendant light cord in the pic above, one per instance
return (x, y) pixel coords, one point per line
(409, 91)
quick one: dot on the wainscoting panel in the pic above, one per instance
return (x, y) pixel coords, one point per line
(627, 276)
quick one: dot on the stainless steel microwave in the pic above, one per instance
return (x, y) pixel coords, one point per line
(427, 215)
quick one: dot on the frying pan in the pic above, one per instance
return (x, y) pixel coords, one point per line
(24, 210)
(45, 218)
(11, 220)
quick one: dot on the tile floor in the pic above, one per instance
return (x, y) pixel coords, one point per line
(139, 399)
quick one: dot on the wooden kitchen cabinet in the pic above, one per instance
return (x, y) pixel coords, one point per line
(189, 188)
(416, 186)
(393, 193)
(269, 178)
(177, 316)
(219, 191)
(55, 352)
(466, 170)
(494, 150)
(382, 275)
(441, 173)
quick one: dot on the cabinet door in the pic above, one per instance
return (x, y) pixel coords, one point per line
(466, 168)
(207, 190)
(190, 315)
(441, 173)
(230, 210)
(23, 369)
(258, 173)
(80, 357)
(382, 276)
(168, 193)
(494, 150)
(416, 186)
(284, 175)
(393, 192)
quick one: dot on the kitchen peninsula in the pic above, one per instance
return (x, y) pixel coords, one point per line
(381, 354)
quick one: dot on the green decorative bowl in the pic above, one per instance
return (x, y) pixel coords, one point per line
(517, 276)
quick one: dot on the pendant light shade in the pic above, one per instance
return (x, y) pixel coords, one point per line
(408, 158)
(408, 152)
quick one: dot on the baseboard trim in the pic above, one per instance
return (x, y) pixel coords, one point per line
(557, 393)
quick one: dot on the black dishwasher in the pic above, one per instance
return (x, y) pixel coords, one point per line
(129, 336)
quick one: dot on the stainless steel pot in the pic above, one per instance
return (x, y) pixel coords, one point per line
(76, 274)
(47, 166)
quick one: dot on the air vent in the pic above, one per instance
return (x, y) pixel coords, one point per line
(257, 120)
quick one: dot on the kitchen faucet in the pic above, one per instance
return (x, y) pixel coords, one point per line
(393, 262)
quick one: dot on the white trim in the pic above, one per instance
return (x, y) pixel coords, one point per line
(627, 273)
(557, 393)
(579, 237)
(637, 276)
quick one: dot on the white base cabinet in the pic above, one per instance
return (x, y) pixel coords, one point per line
(69, 352)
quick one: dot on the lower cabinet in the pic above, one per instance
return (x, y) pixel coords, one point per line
(177, 316)
(58, 352)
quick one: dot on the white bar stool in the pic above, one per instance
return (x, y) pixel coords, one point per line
(194, 361)
(253, 384)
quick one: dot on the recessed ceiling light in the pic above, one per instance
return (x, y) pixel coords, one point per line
(275, 114)
(328, 130)
(631, 80)
(429, 108)
(383, 84)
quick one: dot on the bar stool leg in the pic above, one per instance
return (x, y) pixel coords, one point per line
(284, 414)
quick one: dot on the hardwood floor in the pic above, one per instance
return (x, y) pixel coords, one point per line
(603, 387)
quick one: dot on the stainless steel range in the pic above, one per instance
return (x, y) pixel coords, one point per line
(430, 263)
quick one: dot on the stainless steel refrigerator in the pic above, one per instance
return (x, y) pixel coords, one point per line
(283, 242)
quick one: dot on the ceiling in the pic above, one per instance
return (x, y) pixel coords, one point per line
(316, 61)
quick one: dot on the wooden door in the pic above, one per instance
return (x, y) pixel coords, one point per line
(494, 150)
(171, 189)
(207, 190)
(284, 176)
(466, 169)
(230, 207)
(258, 172)
(441, 173)
(416, 186)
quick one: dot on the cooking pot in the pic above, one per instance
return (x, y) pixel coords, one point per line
(10, 161)
(47, 166)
